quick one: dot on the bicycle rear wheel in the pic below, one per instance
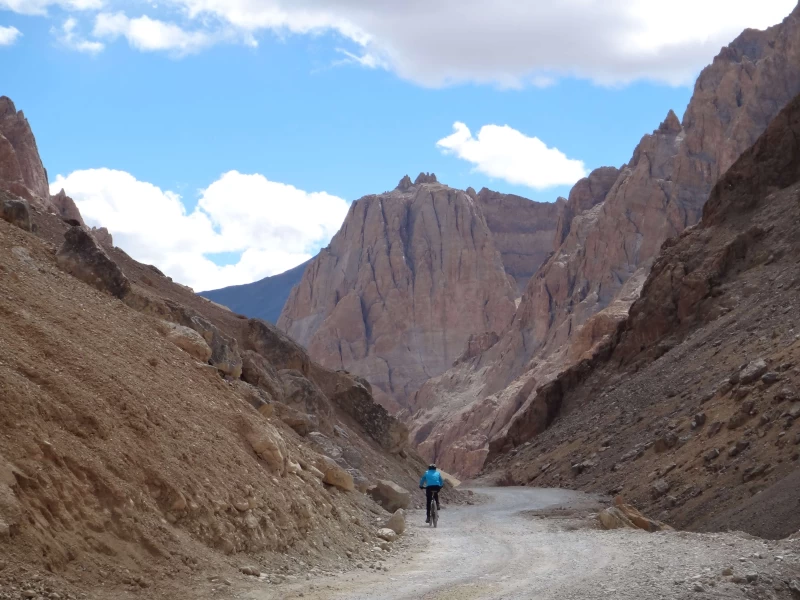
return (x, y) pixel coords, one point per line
(434, 514)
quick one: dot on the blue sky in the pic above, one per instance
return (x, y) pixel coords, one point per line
(123, 112)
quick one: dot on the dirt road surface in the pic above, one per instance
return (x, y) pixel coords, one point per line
(517, 546)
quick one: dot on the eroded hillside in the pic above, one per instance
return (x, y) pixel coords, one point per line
(578, 296)
(691, 408)
(148, 435)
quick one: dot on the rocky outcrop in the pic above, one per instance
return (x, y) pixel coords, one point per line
(399, 290)
(657, 195)
(691, 269)
(67, 209)
(20, 164)
(188, 340)
(585, 194)
(522, 230)
(81, 256)
(16, 211)
(353, 396)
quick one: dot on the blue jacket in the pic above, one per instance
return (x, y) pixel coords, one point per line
(431, 477)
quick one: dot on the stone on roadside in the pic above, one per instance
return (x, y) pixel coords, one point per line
(390, 495)
(623, 516)
(397, 522)
(387, 534)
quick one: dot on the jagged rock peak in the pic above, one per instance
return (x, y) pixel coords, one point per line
(404, 184)
(425, 178)
(472, 193)
(671, 124)
(7, 106)
(66, 208)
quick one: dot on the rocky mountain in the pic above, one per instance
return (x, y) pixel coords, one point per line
(690, 408)
(408, 278)
(263, 299)
(148, 434)
(522, 230)
(584, 289)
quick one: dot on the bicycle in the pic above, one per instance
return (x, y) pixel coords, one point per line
(434, 511)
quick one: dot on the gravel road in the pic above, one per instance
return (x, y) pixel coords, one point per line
(499, 550)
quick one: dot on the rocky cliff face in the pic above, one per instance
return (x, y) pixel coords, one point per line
(656, 196)
(409, 277)
(522, 230)
(691, 408)
(21, 168)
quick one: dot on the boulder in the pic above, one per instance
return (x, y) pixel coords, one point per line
(257, 371)
(307, 466)
(387, 535)
(256, 397)
(269, 447)
(665, 442)
(81, 256)
(753, 371)
(303, 395)
(189, 341)
(335, 475)
(397, 522)
(279, 349)
(623, 516)
(326, 446)
(300, 422)
(659, 488)
(16, 211)
(224, 350)
(390, 495)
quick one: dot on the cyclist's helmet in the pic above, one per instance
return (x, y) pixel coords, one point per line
(432, 466)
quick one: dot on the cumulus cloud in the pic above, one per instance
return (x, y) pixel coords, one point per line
(268, 227)
(512, 43)
(39, 7)
(149, 35)
(69, 37)
(505, 153)
(9, 35)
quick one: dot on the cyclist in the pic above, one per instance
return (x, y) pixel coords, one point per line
(432, 482)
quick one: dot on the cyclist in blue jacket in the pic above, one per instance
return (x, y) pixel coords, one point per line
(432, 482)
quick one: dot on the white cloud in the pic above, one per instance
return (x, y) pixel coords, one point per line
(9, 35)
(39, 7)
(149, 35)
(507, 154)
(269, 226)
(513, 43)
(71, 39)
